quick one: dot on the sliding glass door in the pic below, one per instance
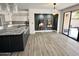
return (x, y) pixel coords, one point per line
(71, 24)
(66, 23)
(74, 24)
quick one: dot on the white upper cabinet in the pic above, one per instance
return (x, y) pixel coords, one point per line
(12, 12)
(12, 7)
(8, 7)
(3, 7)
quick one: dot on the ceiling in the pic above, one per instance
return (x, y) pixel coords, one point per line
(59, 6)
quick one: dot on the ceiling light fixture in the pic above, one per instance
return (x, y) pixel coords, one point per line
(54, 9)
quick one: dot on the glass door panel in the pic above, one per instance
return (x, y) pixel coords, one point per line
(66, 23)
(74, 25)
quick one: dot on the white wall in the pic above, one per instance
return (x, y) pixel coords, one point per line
(31, 17)
(60, 22)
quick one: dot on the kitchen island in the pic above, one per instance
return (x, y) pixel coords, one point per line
(13, 39)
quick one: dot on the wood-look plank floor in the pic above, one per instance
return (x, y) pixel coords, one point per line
(50, 44)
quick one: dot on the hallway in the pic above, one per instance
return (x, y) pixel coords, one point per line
(50, 44)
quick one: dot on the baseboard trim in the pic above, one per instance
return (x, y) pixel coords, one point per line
(45, 31)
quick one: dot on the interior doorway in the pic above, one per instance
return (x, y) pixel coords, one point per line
(46, 22)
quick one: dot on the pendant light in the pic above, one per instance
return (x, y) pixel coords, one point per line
(54, 9)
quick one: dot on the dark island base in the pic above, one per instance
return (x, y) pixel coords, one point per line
(13, 43)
